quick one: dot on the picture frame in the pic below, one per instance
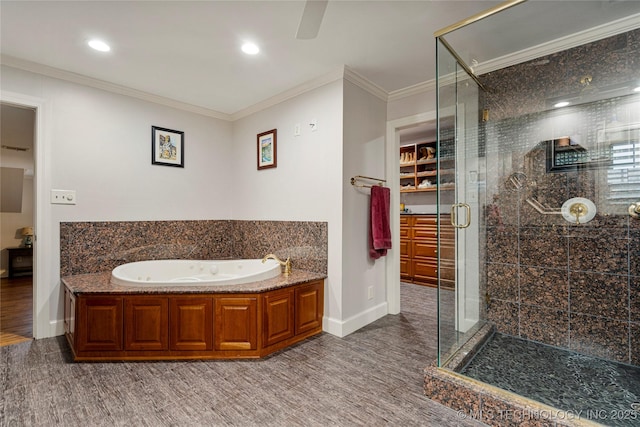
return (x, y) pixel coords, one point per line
(267, 149)
(167, 147)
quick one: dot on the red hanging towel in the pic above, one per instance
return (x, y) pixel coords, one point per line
(379, 231)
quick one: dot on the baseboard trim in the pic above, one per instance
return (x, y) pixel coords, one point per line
(56, 328)
(342, 328)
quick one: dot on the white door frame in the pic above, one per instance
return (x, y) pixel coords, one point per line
(392, 173)
(43, 244)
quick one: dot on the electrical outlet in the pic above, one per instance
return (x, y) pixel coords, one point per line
(63, 197)
(296, 129)
(370, 292)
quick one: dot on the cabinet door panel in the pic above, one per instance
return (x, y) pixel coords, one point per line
(405, 248)
(146, 321)
(309, 307)
(426, 220)
(191, 326)
(278, 317)
(101, 323)
(425, 233)
(236, 325)
(424, 249)
(429, 249)
(405, 268)
(425, 272)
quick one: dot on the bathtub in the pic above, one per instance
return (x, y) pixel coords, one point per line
(193, 272)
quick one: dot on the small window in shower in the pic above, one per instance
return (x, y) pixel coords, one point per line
(623, 176)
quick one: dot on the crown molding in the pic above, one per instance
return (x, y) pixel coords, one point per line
(325, 79)
(57, 73)
(362, 82)
(558, 45)
(426, 86)
(343, 72)
(577, 39)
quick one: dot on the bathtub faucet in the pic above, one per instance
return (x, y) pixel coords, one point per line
(287, 263)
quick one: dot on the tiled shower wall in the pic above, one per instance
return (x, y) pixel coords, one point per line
(92, 247)
(572, 286)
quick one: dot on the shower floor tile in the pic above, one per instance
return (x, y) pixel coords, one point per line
(593, 389)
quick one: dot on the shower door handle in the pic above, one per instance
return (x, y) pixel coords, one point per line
(454, 220)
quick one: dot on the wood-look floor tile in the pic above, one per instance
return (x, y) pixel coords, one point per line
(372, 377)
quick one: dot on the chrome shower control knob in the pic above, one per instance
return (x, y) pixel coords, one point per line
(634, 210)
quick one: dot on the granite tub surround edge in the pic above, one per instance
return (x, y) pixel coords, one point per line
(100, 283)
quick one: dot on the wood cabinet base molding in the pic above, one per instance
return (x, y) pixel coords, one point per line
(103, 327)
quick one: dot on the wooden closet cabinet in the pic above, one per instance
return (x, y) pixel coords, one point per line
(405, 248)
(419, 250)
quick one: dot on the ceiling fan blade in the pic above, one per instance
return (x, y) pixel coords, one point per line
(311, 19)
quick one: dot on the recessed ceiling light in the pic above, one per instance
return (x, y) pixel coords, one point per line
(561, 104)
(250, 48)
(637, 89)
(99, 45)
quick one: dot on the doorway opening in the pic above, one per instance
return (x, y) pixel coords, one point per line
(402, 131)
(17, 219)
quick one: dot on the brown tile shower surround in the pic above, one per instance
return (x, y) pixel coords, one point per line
(576, 287)
(93, 247)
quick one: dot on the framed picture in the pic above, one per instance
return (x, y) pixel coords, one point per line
(167, 147)
(268, 149)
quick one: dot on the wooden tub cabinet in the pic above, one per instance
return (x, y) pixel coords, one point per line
(164, 326)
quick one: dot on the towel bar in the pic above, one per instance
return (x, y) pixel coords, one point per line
(355, 183)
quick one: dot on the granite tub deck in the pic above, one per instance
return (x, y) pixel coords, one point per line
(108, 322)
(474, 399)
(99, 283)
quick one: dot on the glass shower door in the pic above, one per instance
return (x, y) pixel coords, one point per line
(461, 170)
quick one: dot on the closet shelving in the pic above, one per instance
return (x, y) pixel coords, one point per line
(419, 168)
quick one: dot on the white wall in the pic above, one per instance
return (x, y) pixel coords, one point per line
(422, 102)
(311, 183)
(100, 146)
(306, 184)
(364, 154)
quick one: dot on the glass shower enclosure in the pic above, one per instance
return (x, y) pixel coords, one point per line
(543, 156)
(460, 198)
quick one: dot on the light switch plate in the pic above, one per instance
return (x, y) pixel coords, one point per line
(63, 197)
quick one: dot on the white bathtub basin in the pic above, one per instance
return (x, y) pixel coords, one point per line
(193, 272)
